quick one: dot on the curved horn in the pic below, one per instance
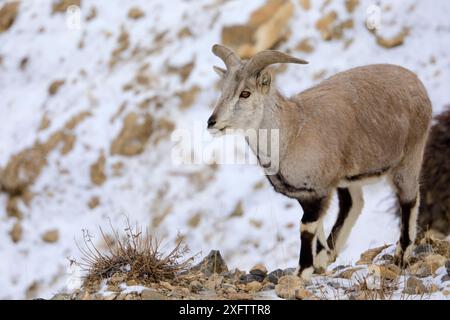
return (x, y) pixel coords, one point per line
(227, 55)
(267, 57)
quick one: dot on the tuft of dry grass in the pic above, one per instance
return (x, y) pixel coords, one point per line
(136, 255)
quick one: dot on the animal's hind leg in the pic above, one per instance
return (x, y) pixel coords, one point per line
(351, 203)
(405, 180)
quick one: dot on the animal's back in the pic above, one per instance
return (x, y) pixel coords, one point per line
(386, 105)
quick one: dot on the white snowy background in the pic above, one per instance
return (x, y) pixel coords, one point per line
(150, 185)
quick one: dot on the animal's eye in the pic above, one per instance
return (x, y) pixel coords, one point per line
(245, 94)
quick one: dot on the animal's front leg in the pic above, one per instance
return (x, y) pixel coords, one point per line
(313, 209)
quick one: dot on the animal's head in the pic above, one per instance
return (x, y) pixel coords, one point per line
(245, 85)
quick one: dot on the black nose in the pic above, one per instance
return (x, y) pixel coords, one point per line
(211, 121)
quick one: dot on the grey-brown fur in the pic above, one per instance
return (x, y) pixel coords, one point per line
(363, 122)
(434, 212)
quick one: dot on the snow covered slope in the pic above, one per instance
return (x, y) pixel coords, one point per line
(120, 68)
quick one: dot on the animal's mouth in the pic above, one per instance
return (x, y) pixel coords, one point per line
(215, 132)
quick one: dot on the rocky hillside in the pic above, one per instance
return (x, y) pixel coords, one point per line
(373, 276)
(93, 94)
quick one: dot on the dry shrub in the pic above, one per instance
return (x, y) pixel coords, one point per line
(135, 256)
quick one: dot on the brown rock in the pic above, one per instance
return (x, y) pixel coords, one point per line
(151, 294)
(8, 13)
(288, 286)
(212, 263)
(16, 232)
(93, 202)
(133, 136)
(195, 286)
(135, 13)
(324, 25)
(188, 97)
(415, 286)
(51, 236)
(253, 286)
(350, 5)
(62, 5)
(368, 256)
(382, 272)
(239, 296)
(348, 273)
(237, 211)
(54, 86)
(305, 46)
(395, 41)
(305, 4)
(259, 269)
(420, 269)
(266, 27)
(302, 294)
(12, 207)
(98, 176)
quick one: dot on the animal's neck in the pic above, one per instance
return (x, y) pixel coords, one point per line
(276, 126)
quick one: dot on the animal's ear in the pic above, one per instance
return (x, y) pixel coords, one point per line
(221, 72)
(263, 80)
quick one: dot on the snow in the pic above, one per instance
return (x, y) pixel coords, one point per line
(148, 185)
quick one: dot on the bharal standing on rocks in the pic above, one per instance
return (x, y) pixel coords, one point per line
(360, 124)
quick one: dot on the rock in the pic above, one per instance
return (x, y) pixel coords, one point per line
(212, 263)
(447, 266)
(445, 278)
(287, 286)
(275, 275)
(420, 269)
(135, 13)
(368, 256)
(23, 169)
(195, 286)
(266, 27)
(131, 282)
(61, 296)
(268, 286)
(8, 13)
(246, 278)
(395, 41)
(97, 170)
(306, 4)
(110, 296)
(253, 286)
(350, 5)
(239, 296)
(423, 250)
(51, 236)
(388, 258)
(348, 273)
(152, 294)
(302, 294)
(414, 286)
(134, 135)
(289, 271)
(382, 272)
(259, 270)
(16, 232)
(54, 86)
(188, 97)
(93, 202)
(435, 261)
(166, 285)
(61, 6)
(213, 282)
(12, 207)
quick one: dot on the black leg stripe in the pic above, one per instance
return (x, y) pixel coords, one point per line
(306, 255)
(406, 208)
(345, 204)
